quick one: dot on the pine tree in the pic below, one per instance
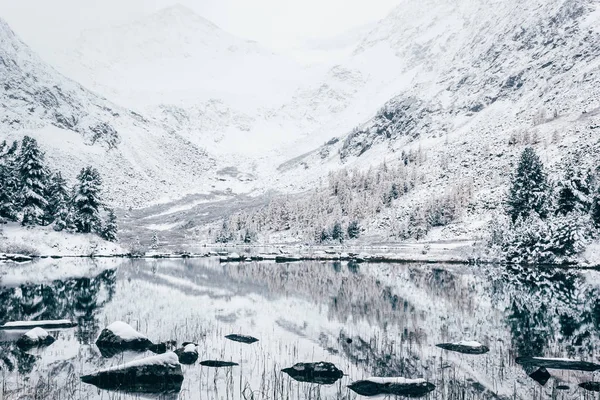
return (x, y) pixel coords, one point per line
(595, 209)
(575, 190)
(353, 229)
(9, 182)
(110, 227)
(529, 189)
(337, 233)
(34, 178)
(86, 201)
(58, 210)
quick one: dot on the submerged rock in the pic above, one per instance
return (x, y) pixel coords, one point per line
(392, 386)
(120, 336)
(465, 347)
(324, 373)
(36, 337)
(540, 375)
(558, 363)
(218, 364)
(242, 338)
(157, 374)
(591, 386)
(46, 324)
(188, 354)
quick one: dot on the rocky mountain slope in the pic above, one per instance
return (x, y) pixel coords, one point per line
(77, 127)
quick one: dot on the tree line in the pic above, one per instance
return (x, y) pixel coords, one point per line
(548, 221)
(30, 192)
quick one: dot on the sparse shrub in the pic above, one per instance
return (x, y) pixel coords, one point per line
(19, 248)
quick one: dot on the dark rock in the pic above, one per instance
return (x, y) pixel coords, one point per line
(156, 374)
(188, 354)
(46, 324)
(218, 364)
(37, 337)
(242, 338)
(119, 336)
(562, 387)
(591, 386)
(323, 373)
(554, 363)
(464, 347)
(540, 375)
(392, 386)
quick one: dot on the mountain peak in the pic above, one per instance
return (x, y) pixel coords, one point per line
(180, 12)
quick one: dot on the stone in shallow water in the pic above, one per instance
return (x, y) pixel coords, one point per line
(540, 375)
(119, 336)
(591, 386)
(188, 354)
(46, 324)
(392, 386)
(558, 363)
(156, 374)
(465, 347)
(323, 373)
(36, 337)
(218, 364)
(242, 338)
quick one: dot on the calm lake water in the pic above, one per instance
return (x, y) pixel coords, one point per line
(369, 320)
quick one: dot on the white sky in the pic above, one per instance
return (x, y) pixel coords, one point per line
(48, 24)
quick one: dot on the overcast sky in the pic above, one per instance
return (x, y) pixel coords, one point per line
(275, 23)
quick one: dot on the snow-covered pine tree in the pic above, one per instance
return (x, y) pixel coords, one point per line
(9, 182)
(110, 227)
(595, 208)
(86, 201)
(575, 190)
(529, 188)
(58, 210)
(34, 178)
(337, 233)
(353, 229)
(154, 242)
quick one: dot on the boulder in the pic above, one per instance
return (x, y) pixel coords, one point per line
(558, 363)
(540, 375)
(591, 386)
(118, 337)
(218, 364)
(392, 386)
(465, 347)
(46, 324)
(188, 354)
(242, 338)
(324, 373)
(157, 374)
(36, 337)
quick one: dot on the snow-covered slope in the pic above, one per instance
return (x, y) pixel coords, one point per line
(77, 127)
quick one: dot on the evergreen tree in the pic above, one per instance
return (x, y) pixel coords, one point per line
(529, 189)
(595, 208)
(86, 201)
(337, 233)
(33, 176)
(575, 190)
(58, 210)
(353, 229)
(9, 182)
(324, 236)
(110, 228)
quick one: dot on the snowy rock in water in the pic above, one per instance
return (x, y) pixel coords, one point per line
(242, 338)
(392, 386)
(188, 354)
(465, 347)
(156, 374)
(558, 363)
(324, 373)
(120, 336)
(36, 337)
(234, 257)
(46, 324)
(591, 386)
(218, 364)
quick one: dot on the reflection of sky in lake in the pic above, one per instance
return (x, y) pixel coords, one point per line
(381, 320)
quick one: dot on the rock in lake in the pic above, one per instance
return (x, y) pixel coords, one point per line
(188, 354)
(540, 375)
(218, 364)
(36, 337)
(465, 347)
(46, 324)
(157, 374)
(118, 337)
(591, 386)
(242, 338)
(558, 363)
(392, 386)
(324, 373)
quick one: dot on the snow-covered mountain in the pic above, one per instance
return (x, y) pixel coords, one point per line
(77, 127)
